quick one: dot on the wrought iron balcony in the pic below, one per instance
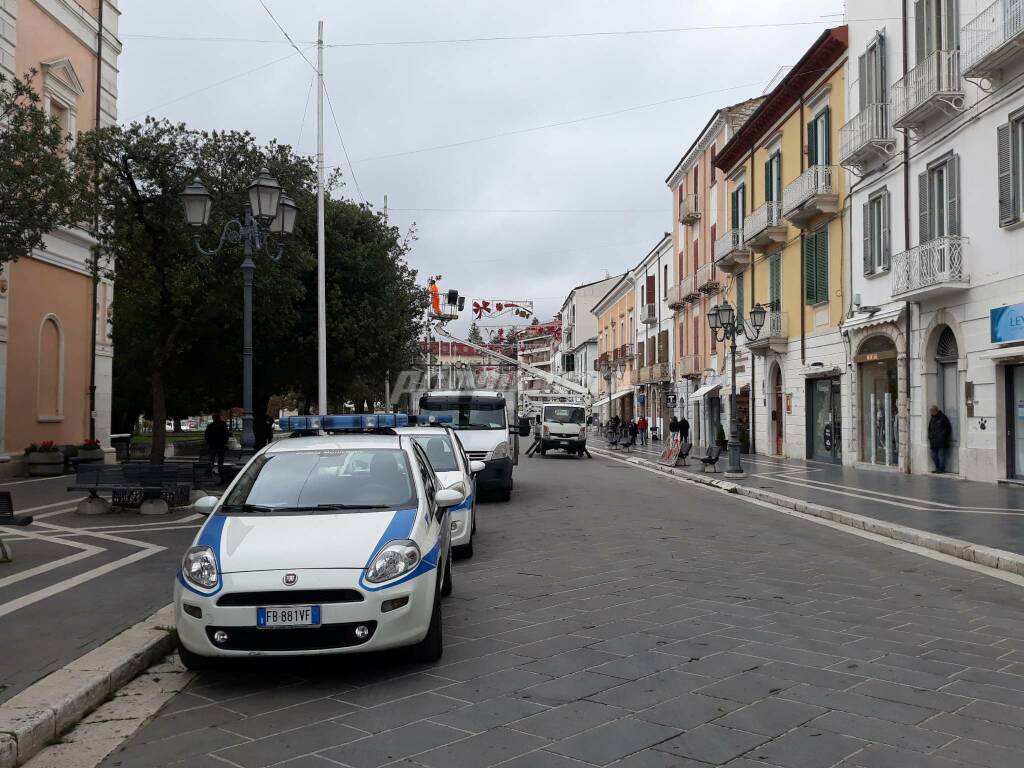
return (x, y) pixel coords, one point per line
(626, 352)
(764, 227)
(688, 212)
(689, 367)
(686, 290)
(649, 315)
(655, 373)
(992, 39)
(706, 279)
(774, 335)
(868, 138)
(730, 252)
(814, 193)
(931, 89)
(934, 268)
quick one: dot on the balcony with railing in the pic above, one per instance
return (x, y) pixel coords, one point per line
(685, 291)
(765, 228)
(649, 314)
(706, 278)
(814, 193)
(730, 252)
(930, 90)
(935, 268)
(626, 352)
(689, 367)
(993, 39)
(868, 138)
(652, 374)
(774, 334)
(688, 212)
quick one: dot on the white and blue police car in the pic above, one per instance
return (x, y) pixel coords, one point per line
(329, 544)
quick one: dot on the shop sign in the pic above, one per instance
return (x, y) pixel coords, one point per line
(1007, 323)
(641, 398)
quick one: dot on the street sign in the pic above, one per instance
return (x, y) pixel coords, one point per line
(670, 401)
(1007, 323)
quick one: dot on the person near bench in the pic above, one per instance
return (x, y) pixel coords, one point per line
(216, 437)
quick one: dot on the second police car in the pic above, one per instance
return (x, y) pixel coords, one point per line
(329, 544)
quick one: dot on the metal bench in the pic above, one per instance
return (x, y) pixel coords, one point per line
(684, 453)
(153, 488)
(8, 518)
(711, 460)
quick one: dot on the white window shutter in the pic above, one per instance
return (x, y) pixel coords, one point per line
(869, 257)
(923, 233)
(953, 195)
(886, 232)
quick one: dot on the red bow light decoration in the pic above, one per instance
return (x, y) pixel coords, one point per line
(496, 308)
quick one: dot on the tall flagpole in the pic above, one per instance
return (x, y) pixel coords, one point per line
(321, 278)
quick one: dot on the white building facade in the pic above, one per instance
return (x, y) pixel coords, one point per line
(936, 228)
(654, 345)
(577, 349)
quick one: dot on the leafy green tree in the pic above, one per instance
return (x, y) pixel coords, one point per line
(474, 334)
(38, 186)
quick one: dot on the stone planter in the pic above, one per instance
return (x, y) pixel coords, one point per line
(91, 454)
(48, 464)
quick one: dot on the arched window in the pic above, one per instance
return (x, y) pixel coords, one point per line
(50, 371)
(947, 350)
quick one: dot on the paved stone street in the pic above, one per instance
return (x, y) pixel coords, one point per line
(614, 616)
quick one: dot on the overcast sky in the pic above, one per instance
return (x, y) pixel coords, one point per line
(412, 98)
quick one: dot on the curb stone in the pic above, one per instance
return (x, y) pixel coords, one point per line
(34, 718)
(989, 557)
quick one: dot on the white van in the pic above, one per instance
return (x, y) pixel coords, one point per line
(563, 427)
(481, 420)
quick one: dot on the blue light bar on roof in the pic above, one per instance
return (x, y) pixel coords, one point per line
(349, 422)
(299, 423)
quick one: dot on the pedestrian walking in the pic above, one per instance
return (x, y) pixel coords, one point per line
(633, 431)
(684, 430)
(216, 437)
(940, 431)
(641, 428)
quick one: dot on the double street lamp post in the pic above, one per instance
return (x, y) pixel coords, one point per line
(726, 325)
(269, 211)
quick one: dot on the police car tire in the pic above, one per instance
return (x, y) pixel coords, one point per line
(446, 585)
(430, 648)
(466, 550)
(192, 661)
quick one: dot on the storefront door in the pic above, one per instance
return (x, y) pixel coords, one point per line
(825, 426)
(1015, 420)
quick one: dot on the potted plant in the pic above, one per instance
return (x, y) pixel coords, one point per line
(44, 459)
(90, 450)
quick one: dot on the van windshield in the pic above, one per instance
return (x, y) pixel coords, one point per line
(564, 414)
(463, 415)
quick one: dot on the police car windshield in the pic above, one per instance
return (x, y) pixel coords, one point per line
(440, 451)
(324, 481)
(463, 416)
(564, 414)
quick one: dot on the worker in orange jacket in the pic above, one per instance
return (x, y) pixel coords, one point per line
(435, 297)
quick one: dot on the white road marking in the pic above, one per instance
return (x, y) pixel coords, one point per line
(8, 484)
(86, 550)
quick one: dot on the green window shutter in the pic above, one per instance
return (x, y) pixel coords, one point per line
(825, 152)
(812, 142)
(951, 25)
(953, 195)
(862, 81)
(923, 229)
(869, 257)
(886, 232)
(920, 39)
(821, 266)
(735, 207)
(775, 281)
(810, 262)
(739, 295)
(768, 179)
(1007, 181)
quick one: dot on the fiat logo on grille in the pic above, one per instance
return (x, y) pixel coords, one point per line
(290, 579)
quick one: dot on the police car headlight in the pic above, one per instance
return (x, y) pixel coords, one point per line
(500, 451)
(199, 566)
(393, 560)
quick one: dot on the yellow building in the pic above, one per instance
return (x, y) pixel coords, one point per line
(616, 331)
(782, 244)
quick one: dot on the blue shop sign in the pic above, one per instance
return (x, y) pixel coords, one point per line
(1007, 323)
(641, 398)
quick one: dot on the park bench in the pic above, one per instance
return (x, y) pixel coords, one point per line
(150, 487)
(684, 453)
(712, 457)
(8, 518)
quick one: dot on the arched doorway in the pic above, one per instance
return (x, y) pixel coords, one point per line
(947, 394)
(878, 377)
(777, 427)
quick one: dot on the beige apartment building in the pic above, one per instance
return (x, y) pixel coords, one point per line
(616, 330)
(700, 216)
(49, 357)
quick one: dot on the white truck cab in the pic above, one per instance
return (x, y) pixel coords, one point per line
(563, 427)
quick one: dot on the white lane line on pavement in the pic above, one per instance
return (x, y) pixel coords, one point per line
(86, 534)
(66, 505)
(8, 484)
(931, 554)
(86, 550)
(888, 498)
(140, 526)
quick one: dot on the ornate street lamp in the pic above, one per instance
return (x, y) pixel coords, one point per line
(268, 211)
(723, 321)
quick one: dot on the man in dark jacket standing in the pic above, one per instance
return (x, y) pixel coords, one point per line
(684, 429)
(939, 433)
(216, 437)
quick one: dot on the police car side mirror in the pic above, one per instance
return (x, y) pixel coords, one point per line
(205, 505)
(449, 497)
(476, 467)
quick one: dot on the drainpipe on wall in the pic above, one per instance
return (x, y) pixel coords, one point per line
(752, 399)
(95, 266)
(803, 287)
(906, 244)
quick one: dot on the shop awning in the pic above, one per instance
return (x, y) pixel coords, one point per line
(866, 321)
(707, 388)
(1003, 355)
(616, 396)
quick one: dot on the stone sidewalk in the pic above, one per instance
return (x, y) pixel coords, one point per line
(982, 513)
(608, 619)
